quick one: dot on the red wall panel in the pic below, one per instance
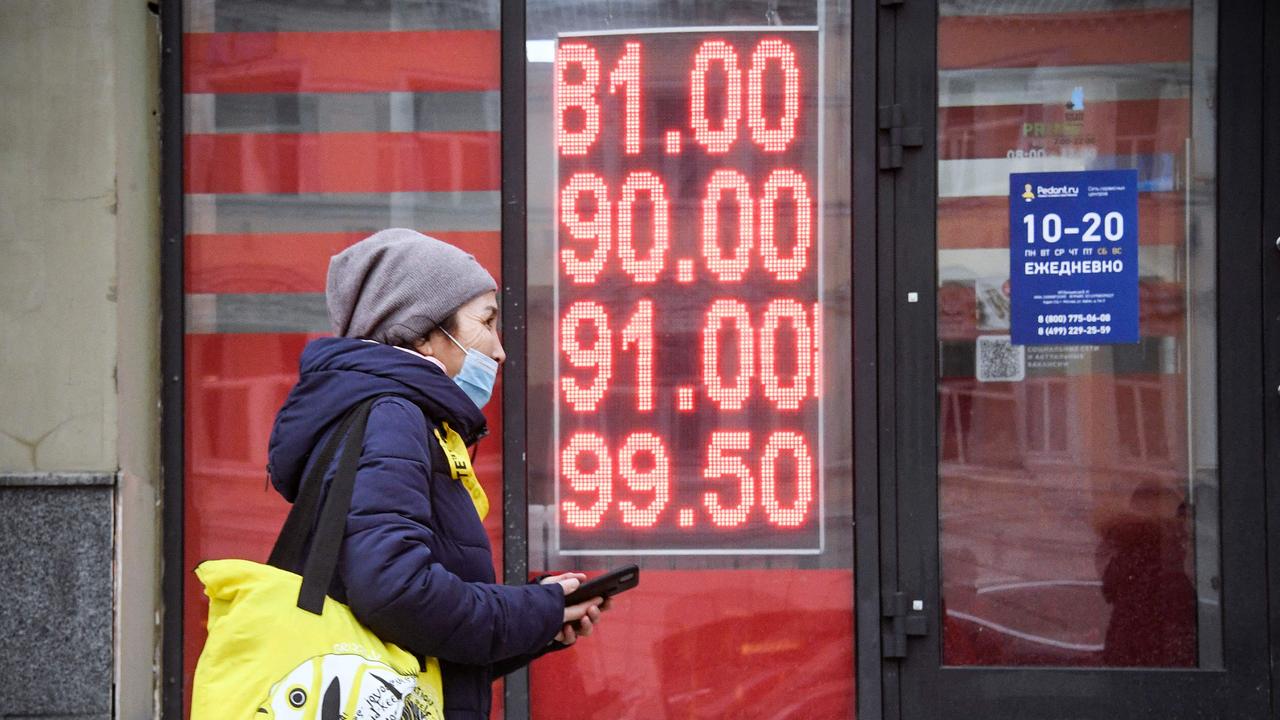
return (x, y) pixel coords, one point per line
(439, 60)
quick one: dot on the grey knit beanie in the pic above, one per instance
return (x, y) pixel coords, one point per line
(396, 285)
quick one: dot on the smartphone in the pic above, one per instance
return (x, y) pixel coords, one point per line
(606, 585)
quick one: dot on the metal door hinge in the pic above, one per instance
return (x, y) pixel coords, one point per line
(905, 620)
(900, 135)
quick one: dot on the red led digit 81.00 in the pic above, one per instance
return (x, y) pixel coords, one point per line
(688, 292)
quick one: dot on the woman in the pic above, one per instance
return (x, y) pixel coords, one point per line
(416, 325)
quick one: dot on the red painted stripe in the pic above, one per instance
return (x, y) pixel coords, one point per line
(1061, 39)
(286, 62)
(296, 263)
(343, 162)
(1131, 127)
(968, 223)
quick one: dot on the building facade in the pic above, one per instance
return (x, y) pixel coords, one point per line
(922, 355)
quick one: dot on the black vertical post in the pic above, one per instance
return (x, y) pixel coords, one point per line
(1270, 264)
(867, 548)
(885, 22)
(908, 303)
(1241, 348)
(515, 492)
(172, 331)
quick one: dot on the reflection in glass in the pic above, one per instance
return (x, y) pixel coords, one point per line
(1078, 513)
(307, 127)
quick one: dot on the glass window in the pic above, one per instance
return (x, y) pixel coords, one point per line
(1077, 462)
(689, 284)
(308, 127)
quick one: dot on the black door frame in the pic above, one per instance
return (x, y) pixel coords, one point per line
(899, 67)
(1269, 248)
(868, 366)
(172, 361)
(916, 687)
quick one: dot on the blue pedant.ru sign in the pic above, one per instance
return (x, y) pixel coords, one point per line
(1073, 257)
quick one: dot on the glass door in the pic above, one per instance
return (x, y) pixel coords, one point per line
(1076, 533)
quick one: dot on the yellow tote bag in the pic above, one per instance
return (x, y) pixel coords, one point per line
(267, 658)
(278, 648)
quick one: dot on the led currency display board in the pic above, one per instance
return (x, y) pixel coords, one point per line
(688, 292)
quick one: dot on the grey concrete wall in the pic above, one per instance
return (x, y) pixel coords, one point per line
(58, 225)
(79, 349)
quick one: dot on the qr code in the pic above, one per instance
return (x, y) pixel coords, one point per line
(999, 360)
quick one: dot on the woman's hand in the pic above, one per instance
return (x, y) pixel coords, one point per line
(587, 614)
(579, 620)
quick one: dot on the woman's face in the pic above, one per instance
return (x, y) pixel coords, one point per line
(477, 329)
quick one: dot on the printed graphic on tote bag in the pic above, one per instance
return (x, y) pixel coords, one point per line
(350, 687)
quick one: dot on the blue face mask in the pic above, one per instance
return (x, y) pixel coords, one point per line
(478, 374)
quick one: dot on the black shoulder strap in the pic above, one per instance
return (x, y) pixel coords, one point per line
(287, 553)
(321, 560)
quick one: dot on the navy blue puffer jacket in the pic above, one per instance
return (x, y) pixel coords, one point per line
(415, 566)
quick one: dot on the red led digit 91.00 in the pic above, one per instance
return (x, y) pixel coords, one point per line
(688, 292)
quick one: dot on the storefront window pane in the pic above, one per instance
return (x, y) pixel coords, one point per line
(689, 284)
(308, 127)
(1078, 497)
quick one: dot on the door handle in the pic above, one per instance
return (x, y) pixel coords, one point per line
(904, 621)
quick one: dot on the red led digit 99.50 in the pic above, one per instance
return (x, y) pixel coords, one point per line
(688, 292)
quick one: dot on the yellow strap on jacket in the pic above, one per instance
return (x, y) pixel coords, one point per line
(460, 468)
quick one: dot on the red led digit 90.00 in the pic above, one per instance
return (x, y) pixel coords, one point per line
(723, 187)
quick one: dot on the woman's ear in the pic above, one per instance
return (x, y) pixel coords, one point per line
(423, 347)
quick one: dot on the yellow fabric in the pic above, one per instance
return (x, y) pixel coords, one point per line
(460, 468)
(269, 660)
